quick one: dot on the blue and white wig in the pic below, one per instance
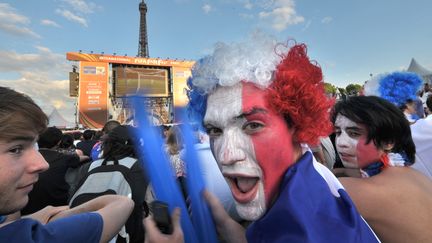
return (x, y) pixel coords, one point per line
(253, 61)
(396, 87)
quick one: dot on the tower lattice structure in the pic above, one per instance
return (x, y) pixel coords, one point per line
(143, 40)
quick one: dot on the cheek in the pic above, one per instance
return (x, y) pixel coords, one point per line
(367, 153)
(274, 153)
(346, 144)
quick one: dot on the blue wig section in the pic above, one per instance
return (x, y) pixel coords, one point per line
(201, 216)
(156, 164)
(398, 87)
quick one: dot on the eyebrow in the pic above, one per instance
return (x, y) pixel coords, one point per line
(23, 138)
(350, 128)
(252, 111)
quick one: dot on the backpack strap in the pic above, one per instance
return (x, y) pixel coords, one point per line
(126, 161)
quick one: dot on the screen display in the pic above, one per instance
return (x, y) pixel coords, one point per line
(151, 82)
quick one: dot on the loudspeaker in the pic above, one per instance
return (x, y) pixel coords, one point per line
(73, 84)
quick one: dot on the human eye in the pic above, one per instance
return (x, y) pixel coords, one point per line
(16, 150)
(354, 134)
(213, 131)
(253, 127)
(338, 132)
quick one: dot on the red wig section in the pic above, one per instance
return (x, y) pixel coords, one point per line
(297, 92)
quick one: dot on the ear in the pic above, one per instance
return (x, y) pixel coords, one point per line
(388, 146)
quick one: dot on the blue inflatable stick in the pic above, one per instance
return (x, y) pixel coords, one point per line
(158, 168)
(201, 216)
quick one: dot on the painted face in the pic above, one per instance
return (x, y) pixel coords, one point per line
(351, 144)
(411, 107)
(251, 143)
(20, 165)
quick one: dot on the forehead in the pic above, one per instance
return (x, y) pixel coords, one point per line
(343, 121)
(227, 103)
(223, 104)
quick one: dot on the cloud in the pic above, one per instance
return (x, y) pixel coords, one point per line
(17, 31)
(207, 8)
(246, 16)
(42, 75)
(247, 4)
(8, 14)
(48, 22)
(307, 25)
(327, 20)
(77, 10)
(82, 6)
(72, 17)
(282, 14)
(13, 23)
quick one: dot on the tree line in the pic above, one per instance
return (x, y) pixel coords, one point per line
(350, 89)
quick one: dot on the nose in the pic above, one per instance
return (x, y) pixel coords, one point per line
(342, 140)
(36, 162)
(230, 149)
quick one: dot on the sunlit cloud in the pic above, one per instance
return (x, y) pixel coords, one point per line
(14, 23)
(282, 14)
(207, 8)
(49, 22)
(72, 17)
(43, 75)
(82, 6)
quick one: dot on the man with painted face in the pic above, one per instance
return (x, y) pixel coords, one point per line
(374, 138)
(260, 102)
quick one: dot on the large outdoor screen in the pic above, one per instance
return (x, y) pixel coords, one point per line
(152, 82)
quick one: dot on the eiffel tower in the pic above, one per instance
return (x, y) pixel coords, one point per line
(143, 40)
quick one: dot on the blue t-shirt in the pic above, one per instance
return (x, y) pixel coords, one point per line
(82, 228)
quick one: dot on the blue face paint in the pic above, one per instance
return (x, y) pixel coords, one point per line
(2, 219)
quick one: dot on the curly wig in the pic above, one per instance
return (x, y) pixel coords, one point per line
(297, 92)
(295, 84)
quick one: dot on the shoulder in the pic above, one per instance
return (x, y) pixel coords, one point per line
(393, 189)
(393, 180)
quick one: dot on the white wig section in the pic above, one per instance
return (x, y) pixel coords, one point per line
(372, 86)
(253, 61)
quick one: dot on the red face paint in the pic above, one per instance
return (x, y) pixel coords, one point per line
(367, 153)
(272, 142)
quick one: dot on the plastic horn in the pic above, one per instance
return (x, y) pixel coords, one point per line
(157, 166)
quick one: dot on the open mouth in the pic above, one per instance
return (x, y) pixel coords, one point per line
(243, 188)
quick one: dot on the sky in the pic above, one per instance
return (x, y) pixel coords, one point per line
(350, 40)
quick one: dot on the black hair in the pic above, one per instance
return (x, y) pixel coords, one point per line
(384, 122)
(119, 143)
(50, 137)
(88, 134)
(67, 141)
(110, 125)
(429, 103)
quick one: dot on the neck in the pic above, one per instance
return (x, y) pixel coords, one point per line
(297, 151)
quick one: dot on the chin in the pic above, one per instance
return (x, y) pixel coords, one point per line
(349, 165)
(254, 209)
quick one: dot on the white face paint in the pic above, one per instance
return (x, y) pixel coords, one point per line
(352, 144)
(346, 141)
(234, 150)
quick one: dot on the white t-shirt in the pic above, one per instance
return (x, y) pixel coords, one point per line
(421, 132)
